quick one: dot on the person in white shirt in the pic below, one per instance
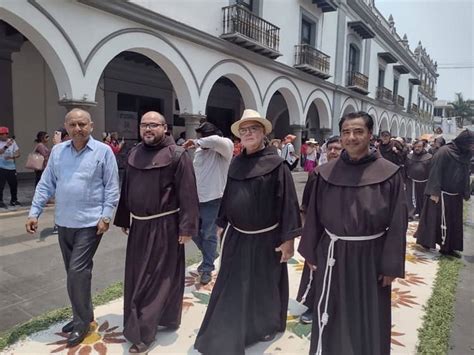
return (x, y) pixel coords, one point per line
(288, 151)
(211, 164)
(9, 151)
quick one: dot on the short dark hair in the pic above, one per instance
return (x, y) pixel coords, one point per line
(40, 135)
(333, 139)
(369, 121)
(420, 141)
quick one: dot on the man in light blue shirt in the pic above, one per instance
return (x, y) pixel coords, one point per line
(82, 174)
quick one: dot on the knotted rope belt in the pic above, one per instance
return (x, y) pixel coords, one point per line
(413, 196)
(325, 292)
(444, 226)
(147, 218)
(268, 229)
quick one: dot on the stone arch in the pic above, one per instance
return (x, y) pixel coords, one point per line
(410, 130)
(417, 131)
(322, 103)
(240, 75)
(383, 125)
(166, 55)
(373, 112)
(59, 57)
(403, 129)
(349, 105)
(394, 131)
(292, 96)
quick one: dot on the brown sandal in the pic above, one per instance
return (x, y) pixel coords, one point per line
(138, 349)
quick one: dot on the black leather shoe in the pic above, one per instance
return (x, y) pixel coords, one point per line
(76, 337)
(206, 277)
(68, 328)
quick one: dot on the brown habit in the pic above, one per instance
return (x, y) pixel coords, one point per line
(418, 169)
(360, 198)
(157, 179)
(449, 173)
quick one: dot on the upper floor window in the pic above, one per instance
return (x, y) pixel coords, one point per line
(246, 3)
(381, 80)
(354, 59)
(395, 87)
(307, 32)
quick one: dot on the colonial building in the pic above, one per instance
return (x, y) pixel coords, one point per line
(301, 63)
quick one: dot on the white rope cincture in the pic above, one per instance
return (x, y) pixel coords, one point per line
(444, 227)
(308, 286)
(325, 292)
(147, 218)
(413, 196)
(268, 229)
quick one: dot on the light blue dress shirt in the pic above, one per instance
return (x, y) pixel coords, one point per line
(85, 184)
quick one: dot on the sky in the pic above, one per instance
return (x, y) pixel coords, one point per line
(446, 30)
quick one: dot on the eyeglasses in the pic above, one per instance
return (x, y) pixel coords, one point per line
(251, 129)
(151, 125)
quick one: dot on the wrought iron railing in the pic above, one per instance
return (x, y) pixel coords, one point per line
(384, 94)
(400, 101)
(308, 55)
(238, 19)
(357, 80)
(414, 108)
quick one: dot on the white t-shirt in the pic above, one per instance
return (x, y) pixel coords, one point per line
(9, 152)
(211, 165)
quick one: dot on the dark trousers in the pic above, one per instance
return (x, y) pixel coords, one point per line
(38, 174)
(78, 246)
(10, 177)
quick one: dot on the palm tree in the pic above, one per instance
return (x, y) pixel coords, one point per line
(463, 110)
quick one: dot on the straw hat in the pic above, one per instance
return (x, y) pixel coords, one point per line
(312, 141)
(251, 116)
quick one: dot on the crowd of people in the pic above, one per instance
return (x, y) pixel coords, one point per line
(361, 192)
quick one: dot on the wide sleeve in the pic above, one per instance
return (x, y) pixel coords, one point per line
(313, 228)
(433, 186)
(186, 189)
(307, 192)
(221, 219)
(122, 215)
(393, 254)
(290, 220)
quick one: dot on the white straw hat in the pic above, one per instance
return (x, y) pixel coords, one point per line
(248, 116)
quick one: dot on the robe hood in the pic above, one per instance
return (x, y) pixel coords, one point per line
(370, 170)
(248, 166)
(150, 157)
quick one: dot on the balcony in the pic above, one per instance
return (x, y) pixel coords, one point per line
(385, 95)
(326, 5)
(309, 59)
(414, 109)
(358, 82)
(245, 29)
(400, 101)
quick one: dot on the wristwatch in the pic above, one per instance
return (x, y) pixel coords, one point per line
(106, 220)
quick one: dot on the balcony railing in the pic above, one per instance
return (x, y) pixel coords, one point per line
(309, 59)
(358, 82)
(400, 101)
(384, 94)
(414, 109)
(248, 30)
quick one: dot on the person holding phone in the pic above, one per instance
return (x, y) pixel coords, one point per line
(9, 151)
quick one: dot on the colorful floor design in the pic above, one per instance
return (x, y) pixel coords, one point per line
(408, 297)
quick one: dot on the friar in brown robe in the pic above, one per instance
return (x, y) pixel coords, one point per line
(259, 212)
(354, 234)
(448, 183)
(159, 209)
(417, 166)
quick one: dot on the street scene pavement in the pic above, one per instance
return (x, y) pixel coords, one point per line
(33, 282)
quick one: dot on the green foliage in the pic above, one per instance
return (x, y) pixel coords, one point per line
(202, 297)
(463, 110)
(433, 336)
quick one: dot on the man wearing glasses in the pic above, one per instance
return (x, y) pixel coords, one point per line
(159, 193)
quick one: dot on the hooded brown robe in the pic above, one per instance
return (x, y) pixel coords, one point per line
(250, 296)
(418, 169)
(356, 198)
(449, 173)
(157, 179)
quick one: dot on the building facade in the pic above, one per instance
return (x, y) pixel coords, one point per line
(301, 63)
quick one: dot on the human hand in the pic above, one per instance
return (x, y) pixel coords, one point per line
(125, 230)
(287, 250)
(311, 266)
(183, 239)
(189, 144)
(386, 280)
(31, 225)
(102, 227)
(434, 198)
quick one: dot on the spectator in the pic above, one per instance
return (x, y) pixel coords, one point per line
(181, 139)
(311, 155)
(9, 151)
(288, 151)
(42, 139)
